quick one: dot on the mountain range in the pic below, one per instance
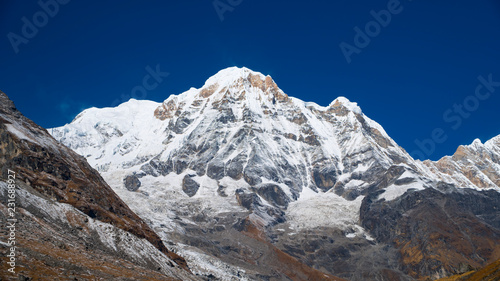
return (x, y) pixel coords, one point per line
(239, 181)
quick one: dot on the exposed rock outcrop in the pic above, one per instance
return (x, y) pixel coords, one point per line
(190, 186)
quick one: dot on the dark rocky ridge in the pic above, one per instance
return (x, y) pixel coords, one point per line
(437, 232)
(58, 242)
(60, 174)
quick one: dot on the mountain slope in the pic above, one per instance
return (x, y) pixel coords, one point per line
(490, 272)
(323, 184)
(476, 164)
(64, 208)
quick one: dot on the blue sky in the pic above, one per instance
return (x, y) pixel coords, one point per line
(415, 74)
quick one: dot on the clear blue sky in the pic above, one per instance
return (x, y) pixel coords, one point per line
(415, 68)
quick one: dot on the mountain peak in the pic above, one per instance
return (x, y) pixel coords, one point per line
(236, 80)
(477, 142)
(230, 85)
(231, 75)
(237, 84)
(352, 106)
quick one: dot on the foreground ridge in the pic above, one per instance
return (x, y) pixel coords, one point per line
(69, 221)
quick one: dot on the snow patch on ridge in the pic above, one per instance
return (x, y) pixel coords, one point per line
(17, 133)
(394, 191)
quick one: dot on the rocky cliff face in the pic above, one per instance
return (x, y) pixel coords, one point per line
(437, 230)
(70, 222)
(238, 163)
(475, 165)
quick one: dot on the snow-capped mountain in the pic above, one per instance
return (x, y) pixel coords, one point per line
(240, 130)
(238, 158)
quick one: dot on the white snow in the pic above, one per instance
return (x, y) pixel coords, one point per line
(352, 106)
(203, 264)
(354, 184)
(328, 209)
(477, 142)
(228, 76)
(17, 132)
(394, 191)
